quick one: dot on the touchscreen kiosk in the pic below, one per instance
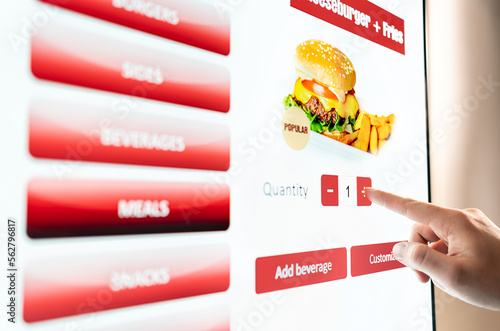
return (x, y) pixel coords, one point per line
(202, 164)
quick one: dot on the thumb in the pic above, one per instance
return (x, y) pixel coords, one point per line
(423, 258)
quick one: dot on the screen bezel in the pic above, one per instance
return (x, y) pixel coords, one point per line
(426, 55)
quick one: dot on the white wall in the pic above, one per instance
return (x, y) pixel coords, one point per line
(463, 49)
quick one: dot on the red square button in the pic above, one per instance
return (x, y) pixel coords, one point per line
(362, 183)
(329, 190)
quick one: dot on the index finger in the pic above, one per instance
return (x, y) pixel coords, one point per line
(418, 211)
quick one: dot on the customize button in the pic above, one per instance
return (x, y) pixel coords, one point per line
(279, 272)
(369, 259)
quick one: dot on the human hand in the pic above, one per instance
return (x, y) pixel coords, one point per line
(458, 249)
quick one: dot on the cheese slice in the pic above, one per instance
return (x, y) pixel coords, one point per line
(347, 108)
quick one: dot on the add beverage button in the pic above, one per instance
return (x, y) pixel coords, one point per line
(279, 272)
(369, 259)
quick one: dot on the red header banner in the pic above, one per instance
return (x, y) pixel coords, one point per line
(360, 17)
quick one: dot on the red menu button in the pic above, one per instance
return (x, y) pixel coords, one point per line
(60, 52)
(78, 132)
(81, 283)
(279, 272)
(203, 24)
(369, 259)
(63, 208)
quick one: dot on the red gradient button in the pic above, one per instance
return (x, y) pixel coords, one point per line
(77, 132)
(78, 284)
(60, 208)
(197, 23)
(68, 53)
(369, 259)
(279, 272)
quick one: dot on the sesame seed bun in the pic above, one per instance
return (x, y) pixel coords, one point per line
(319, 61)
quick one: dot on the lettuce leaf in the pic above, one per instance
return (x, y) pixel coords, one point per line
(317, 125)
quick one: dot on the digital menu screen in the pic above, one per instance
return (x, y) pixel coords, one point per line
(201, 165)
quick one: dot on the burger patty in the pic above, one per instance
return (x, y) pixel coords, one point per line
(316, 108)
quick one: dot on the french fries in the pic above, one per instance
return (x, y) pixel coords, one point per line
(364, 134)
(374, 141)
(370, 132)
(384, 131)
(349, 138)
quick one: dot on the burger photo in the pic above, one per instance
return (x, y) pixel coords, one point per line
(324, 90)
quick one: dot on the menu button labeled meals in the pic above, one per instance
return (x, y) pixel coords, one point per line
(75, 207)
(143, 208)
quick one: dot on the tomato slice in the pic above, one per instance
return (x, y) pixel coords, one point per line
(319, 89)
(322, 90)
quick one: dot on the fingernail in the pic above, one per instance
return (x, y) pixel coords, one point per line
(399, 250)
